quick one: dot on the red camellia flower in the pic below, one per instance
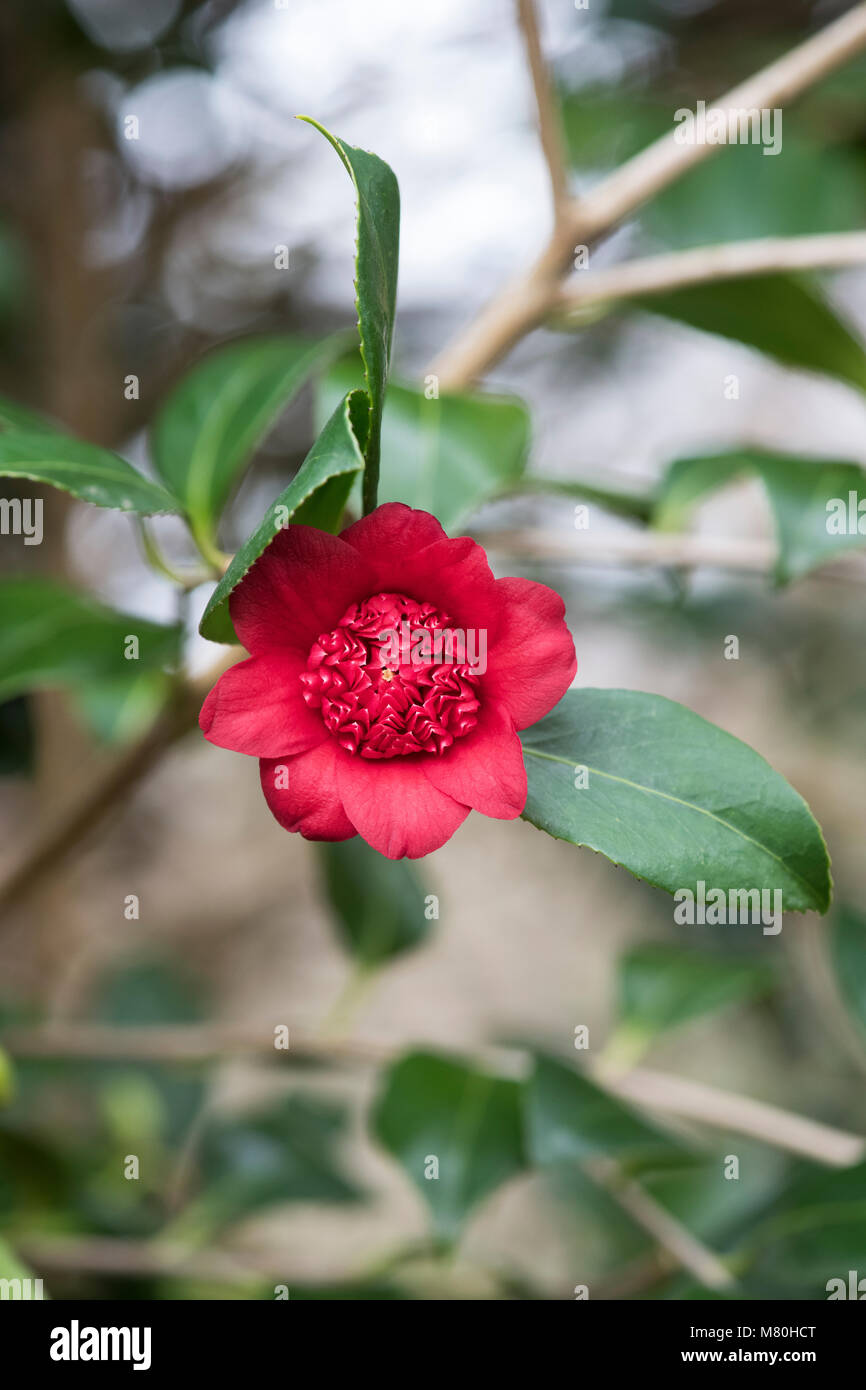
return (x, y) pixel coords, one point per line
(389, 674)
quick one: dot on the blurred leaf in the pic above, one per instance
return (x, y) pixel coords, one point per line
(281, 1153)
(376, 260)
(7, 1078)
(848, 953)
(621, 501)
(53, 636)
(570, 1119)
(817, 1231)
(742, 193)
(316, 496)
(604, 126)
(89, 472)
(799, 491)
(662, 986)
(11, 1266)
(19, 417)
(672, 798)
(377, 903)
(207, 431)
(119, 709)
(779, 315)
(16, 737)
(447, 455)
(150, 994)
(437, 1108)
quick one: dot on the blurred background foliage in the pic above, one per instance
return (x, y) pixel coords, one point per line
(131, 257)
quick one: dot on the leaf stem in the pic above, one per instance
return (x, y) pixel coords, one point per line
(158, 562)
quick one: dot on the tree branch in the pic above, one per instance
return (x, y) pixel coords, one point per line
(730, 261)
(549, 127)
(526, 302)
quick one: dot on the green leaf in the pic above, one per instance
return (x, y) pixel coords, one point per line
(662, 986)
(376, 259)
(780, 315)
(742, 193)
(120, 708)
(447, 455)
(672, 798)
(316, 496)
(807, 496)
(280, 1153)
(90, 473)
(848, 952)
(207, 431)
(377, 903)
(19, 417)
(53, 636)
(438, 1108)
(817, 1232)
(569, 1119)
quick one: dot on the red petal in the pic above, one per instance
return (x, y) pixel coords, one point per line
(485, 769)
(532, 663)
(257, 707)
(310, 801)
(395, 529)
(394, 807)
(299, 587)
(410, 553)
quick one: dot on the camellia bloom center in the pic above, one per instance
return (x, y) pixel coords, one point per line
(380, 707)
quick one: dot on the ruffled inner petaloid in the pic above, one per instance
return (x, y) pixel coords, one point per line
(382, 707)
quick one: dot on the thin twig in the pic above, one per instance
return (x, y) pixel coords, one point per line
(526, 302)
(688, 1252)
(549, 125)
(729, 261)
(209, 1043)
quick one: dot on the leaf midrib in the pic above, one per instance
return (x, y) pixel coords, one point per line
(677, 800)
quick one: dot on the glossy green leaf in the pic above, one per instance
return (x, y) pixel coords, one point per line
(815, 502)
(848, 951)
(207, 431)
(438, 1114)
(316, 496)
(53, 636)
(447, 455)
(279, 1153)
(376, 259)
(378, 904)
(85, 470)
(672, 798)
(782, 316)
(662, 986)
(569, 1119)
